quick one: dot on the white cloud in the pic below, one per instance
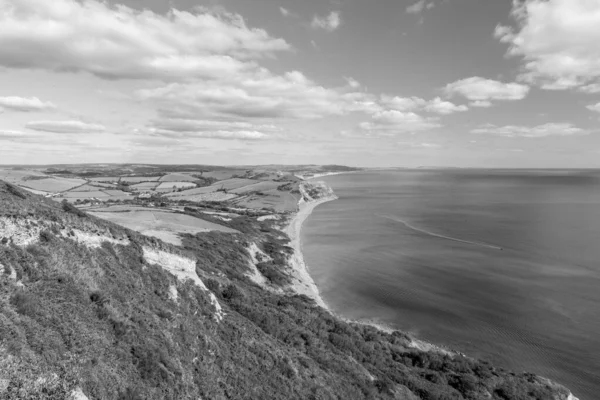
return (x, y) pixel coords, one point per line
(284, 11)
(329, 23)
(437, 105)
(219, 134)
(486, 90)
(394, 121)
(403, 103)
(118, 42)
(291, 95)
(594, 107)
(9, 134)
(423, 145)
(208, 129)
(481, 103)
(558, 41)
(419, 6)
(353, 83)
(591, 88)
(550, 129)
(25, 104)
(440, 106)
(65, 127)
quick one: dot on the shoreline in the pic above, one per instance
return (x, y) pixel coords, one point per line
(305, 285)
(303, 281)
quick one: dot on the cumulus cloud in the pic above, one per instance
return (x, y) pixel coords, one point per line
(437, 105)
(284, 11)
(118, 42)
(479, 89)
(423, 145)
(394, 121)
(218, 134)
(539, 131)
(65, 127)
(481, 103)
(594, 107)
(291, 95)
(198, 129)
(9, 134)
(440, 106)
(24, 104)
(558, 42)
(353, 83)
(419, 6)
(329, 23)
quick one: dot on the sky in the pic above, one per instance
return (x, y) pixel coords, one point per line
(379, 83)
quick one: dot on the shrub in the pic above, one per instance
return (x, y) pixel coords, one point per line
(232, 292)
(70, 208)
(24, 303)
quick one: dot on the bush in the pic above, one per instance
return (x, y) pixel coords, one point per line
(273, 274)
(70, 208)
(24, 303)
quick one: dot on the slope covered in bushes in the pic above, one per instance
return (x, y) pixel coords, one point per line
(84, 310)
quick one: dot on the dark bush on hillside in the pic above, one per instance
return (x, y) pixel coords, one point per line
(24, 303)
(232, 292)
(70, 208)
(14, 191)
(273, 273)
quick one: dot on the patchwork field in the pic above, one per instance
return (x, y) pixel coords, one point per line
(110, 179)
(223, 174)
(273, 199)
(138, 179)
(178, 177)
(84, 195)
(53, 185)
(193, 192)
(145, 185)
(234, 183)
(17, 176)
(178, 185)
(92, 188)
(257, 187)
(214, 196)
(163, 225)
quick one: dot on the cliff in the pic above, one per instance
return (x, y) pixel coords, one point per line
(91, 310)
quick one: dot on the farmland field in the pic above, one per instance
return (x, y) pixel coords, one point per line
(215, 196)
(139, 179)
(178, 185)
(234, 183)
(145, 185)
(178, 177)
(222, 174)
(53, 185)
(274, 199)
(257, 187)
(105, 179)
(17, 176)
(84, 195)
(161, 224)
(192, 192)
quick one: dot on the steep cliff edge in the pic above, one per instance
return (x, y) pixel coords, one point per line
(91, 310)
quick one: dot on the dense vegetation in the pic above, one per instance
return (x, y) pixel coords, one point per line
(104, 320)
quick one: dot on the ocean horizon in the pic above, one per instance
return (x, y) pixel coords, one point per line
(498, 264)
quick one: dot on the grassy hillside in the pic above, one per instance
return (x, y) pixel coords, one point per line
(91, 309)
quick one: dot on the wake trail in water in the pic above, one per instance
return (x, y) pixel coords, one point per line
(426, 232)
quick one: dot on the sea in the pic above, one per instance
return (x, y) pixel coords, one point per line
(502, 265)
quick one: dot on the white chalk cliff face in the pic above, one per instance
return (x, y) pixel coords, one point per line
(182, 268)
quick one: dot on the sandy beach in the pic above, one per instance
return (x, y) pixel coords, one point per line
(303, 282)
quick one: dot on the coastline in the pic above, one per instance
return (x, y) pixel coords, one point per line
(303, 282)
(305, 285)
